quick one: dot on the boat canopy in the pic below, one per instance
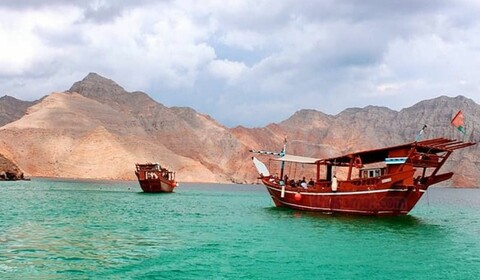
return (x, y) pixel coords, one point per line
(297, 159)
(432, 146)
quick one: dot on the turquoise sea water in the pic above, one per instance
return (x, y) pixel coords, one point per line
(51, 229)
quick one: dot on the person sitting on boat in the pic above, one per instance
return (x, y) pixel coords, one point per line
(303, 183)
(311, 183)
(292, 184)
(299, 183)
(274, 178)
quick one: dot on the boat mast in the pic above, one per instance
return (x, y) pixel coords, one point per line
(282, 153)
(350, 168)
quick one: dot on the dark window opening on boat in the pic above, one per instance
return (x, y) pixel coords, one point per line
(372, 172)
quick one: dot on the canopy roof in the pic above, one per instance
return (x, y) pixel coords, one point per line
(298, 159)
(432, 146)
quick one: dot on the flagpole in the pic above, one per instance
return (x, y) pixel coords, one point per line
(420, 133)
(282, 153)
(471, 134)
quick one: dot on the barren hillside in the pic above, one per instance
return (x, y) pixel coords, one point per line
(96, 129)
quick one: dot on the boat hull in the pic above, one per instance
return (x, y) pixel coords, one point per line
(384, 200)
(157, 186)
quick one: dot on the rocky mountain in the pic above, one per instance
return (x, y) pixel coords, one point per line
(12, 109)
(312, 133)
(9, 170)
(96, 129)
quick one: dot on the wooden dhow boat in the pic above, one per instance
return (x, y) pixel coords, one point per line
(154, 178)
(387, 181)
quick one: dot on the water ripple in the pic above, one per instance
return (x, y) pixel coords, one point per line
(92, 230)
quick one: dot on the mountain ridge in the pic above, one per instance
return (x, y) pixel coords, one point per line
(12, 109)
(97, 126)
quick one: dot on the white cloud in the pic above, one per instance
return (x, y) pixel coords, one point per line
(21, 43)
(247, 40)
(276, 57)
(228, 70)
(388, 87)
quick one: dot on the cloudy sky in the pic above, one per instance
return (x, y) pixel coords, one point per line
(246, 62)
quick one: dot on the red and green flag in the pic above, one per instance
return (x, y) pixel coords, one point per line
(458, 122)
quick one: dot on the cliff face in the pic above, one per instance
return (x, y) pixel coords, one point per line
(182, 131)
(312, 133)
(98, 130)
(9, 170)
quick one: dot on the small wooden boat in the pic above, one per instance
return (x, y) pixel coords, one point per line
(155, 178)
(387, 181)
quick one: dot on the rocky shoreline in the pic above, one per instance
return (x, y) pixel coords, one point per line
(9, 171)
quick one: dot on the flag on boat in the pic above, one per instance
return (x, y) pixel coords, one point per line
(458, 122)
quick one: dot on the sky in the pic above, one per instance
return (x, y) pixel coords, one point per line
(246, 62)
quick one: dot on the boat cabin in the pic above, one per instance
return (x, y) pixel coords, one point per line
(154, 171)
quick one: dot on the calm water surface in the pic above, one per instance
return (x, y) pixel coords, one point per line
(110, 230)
